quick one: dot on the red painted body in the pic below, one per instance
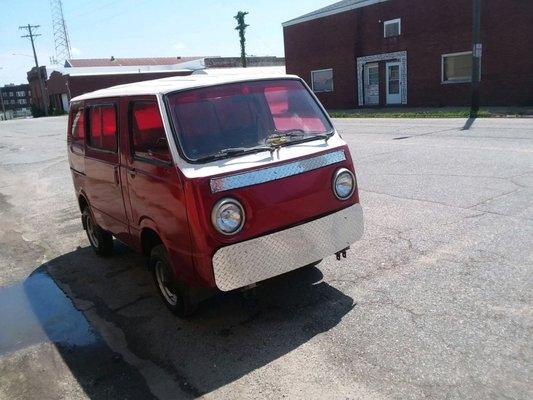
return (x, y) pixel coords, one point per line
(128, 196)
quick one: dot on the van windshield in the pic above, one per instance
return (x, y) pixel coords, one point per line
(225, 120)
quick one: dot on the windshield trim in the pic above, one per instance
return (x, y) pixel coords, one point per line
(201, 160)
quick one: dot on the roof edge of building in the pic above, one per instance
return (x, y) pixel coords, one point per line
(311, 16)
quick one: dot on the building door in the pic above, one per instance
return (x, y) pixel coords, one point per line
(64, 102)
(392, 79)
(371, 84)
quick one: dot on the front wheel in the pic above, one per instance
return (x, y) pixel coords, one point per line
(100, 240)
(175, 295)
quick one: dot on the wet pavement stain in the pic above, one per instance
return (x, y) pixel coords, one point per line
(36, 311)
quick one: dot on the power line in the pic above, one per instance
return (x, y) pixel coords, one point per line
(92, 10)
(109, 17)
(29, 28)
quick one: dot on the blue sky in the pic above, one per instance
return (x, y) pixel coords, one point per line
(136, 28)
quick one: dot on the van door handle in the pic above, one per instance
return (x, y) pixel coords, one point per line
(132, 172)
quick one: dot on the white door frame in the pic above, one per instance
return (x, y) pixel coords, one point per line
(395, 98)
(400, 56)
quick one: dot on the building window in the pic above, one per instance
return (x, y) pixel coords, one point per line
(322, 80)
(21, 94)
(373, 75)
(392, 28)
(21, 101)
(457, 67)
(10, 94)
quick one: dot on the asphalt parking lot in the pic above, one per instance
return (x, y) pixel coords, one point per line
(436, 300)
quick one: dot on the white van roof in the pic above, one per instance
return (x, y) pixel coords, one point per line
(167, 85)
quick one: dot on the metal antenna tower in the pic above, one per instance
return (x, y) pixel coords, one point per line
(59, 28)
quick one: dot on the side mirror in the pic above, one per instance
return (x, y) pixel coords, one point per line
(160, 150)
(161, 142)
(163, 156)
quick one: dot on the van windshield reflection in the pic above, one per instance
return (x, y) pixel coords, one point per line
(225, 120)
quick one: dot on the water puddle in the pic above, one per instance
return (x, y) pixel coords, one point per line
(36, 311)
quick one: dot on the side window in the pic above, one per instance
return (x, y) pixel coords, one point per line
(103, 127)
(147, 133)
(77, 128)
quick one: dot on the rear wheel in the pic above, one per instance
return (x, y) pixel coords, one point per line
(175, 295)
(100, 240)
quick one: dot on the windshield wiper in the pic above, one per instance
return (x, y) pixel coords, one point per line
(279, 138)
(232, 151)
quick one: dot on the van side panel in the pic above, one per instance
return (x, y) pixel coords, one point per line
(102, 178)
(154, 197)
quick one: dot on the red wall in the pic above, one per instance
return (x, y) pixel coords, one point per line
(430, 28)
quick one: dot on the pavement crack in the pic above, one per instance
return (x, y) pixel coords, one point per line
(441, 204)
(133, 302)
(491, 198)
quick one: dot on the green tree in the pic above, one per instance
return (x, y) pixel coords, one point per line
(241, 27)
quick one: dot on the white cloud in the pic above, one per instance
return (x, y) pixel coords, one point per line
(178, 46)
(76, 51)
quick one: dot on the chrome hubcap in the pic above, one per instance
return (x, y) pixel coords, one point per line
(91, 231)
(164, 283)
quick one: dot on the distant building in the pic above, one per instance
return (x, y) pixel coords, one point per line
(80, 76)
(360, 53)
(37, 98)
(15, 101)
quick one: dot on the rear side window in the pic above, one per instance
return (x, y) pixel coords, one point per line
(77, 128)
(148, 135)
(103, 127)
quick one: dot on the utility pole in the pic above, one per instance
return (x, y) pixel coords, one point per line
(3, 107)
(476, 57)
(32, 35)
(2, 102)
(241, 27)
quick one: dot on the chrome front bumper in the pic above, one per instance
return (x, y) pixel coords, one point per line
(261, 258)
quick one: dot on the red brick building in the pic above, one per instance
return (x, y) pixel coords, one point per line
(79, 76)
(360, 53)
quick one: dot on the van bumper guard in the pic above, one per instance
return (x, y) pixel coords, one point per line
(267, 256)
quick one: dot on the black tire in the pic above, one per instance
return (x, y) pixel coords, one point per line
(176, 295)
(101, 241)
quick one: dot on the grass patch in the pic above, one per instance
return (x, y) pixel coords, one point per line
(422, 114)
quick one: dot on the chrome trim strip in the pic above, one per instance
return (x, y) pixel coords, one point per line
(276, 172)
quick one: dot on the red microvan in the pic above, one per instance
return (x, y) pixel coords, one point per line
(222, 181)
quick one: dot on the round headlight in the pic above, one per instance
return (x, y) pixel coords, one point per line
(227, 216)
(343, 183)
